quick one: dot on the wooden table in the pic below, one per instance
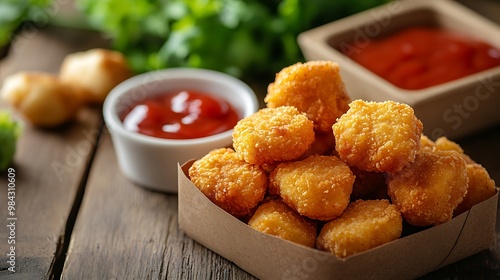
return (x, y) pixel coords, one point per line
(79, 218)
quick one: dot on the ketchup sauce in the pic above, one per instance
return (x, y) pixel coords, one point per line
(181, 115)
(420, 57)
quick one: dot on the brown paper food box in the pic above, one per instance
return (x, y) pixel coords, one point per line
(269, 257)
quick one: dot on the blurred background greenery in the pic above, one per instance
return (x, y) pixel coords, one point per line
(14, 12)
(240, 37)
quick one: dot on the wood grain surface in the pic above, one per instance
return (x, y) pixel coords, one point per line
(127, 232)
(50, 164)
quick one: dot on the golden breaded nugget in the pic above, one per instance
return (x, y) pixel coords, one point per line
(365, 224)
(428, 190)
(97, 71)
(276, 218)
(378, 136)
(229, 182)
(444, 144)
(42, 98)
(318, 187)
(315, 88)
(481, 187)
(426, 143)
(273, 135)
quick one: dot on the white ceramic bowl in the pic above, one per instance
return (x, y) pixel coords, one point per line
(152, 162)
(453, 109)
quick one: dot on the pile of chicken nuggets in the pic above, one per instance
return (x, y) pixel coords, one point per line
(343, 176)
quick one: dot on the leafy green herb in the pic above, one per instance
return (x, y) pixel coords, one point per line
(234, 36)
(14, 12)
(9, 133)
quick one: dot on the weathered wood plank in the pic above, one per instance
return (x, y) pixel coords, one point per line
(44, 194)
(49, 164)
(126, 232)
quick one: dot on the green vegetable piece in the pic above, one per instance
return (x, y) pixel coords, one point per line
(10, 131)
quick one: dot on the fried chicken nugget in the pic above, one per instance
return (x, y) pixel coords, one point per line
(364, 225)
(443, 144)
(97, 71)
(273, 135)
(42, 98)
(426, 143)
(481, 187)
(276, 218)
(315, 88)
(428, 190)
(229, 182)
(318, 187)
(378, 136)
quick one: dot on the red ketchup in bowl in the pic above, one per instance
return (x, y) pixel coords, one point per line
(420, 57)
(181, 115)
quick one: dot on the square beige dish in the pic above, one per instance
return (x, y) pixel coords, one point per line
(453, 109)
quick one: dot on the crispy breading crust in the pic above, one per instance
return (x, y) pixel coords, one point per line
(315, 88)
(442, 144)
(273, 135)
(378, 136)
(229, 182)
(428, 190)
(481, 187)
(276, 218)
(318, 187)
(365, 224)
